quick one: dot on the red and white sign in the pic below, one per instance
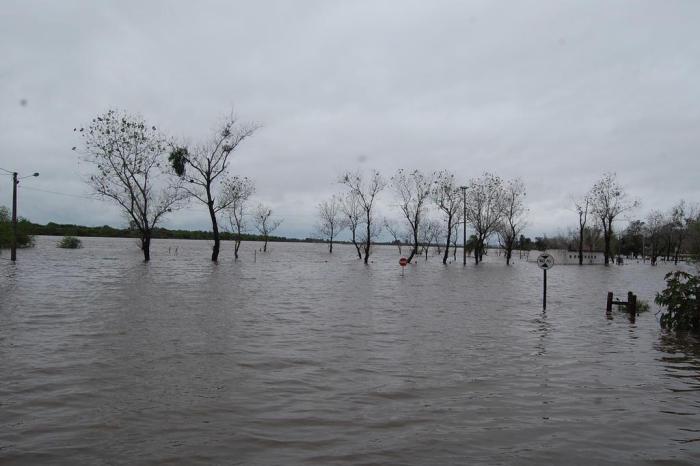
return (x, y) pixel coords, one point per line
(403, 262)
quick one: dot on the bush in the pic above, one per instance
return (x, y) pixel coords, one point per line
(24, 240)
(642, 306)
(681, 298)
(70, 242)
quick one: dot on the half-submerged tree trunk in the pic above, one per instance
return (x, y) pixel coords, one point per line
(146, 245)
(369, 238)
(414, 249)
(580, 247)
(236, 246)
(607, 236)
(447, 243)
(214, 227)
(357, 246)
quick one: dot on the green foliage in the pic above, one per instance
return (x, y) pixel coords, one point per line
(24, 240)
(681, 298)
(177, 158)
(642, 306)
(70, 242)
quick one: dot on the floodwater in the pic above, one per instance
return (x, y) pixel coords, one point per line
(306, 358)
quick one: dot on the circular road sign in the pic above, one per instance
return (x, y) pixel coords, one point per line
(545, 261)
(403, 262)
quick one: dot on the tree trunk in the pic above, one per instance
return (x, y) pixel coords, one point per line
(580, 246)
(214, 227)
(146, 246)
(369, 239)
(265, 245)
(607, 235)
(447, 243)
(236, 246)
(330, 247)
(357, 246)
(414, 250)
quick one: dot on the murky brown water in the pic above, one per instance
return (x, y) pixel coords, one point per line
(306, 358)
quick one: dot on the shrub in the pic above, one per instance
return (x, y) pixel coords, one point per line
(70, 242)
(681, 298)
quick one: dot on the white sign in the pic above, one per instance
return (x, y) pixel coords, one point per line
(545, 261)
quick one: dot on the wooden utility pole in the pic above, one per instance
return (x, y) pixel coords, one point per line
(13, 251)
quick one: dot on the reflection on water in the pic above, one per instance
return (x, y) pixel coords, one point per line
(302, 357)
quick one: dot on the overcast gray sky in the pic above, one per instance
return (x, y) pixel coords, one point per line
(554, 92)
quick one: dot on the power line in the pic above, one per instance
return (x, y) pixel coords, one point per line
(58, 193)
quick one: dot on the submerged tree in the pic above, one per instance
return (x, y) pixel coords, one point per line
(413, 191)
(608, 201)
(265, 224)
(365, 190)
(239, 191)
(205, 167)
(583, 206)
(447, 197)
(128, 156)
(352, 213)
(331, 221)
(395, 232)
(484, 209)
(513, 221)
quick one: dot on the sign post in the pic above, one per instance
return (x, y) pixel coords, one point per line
(545, 262)
(403, 262)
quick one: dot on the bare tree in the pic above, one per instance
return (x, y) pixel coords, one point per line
(413, 190)
(264, 223)
(654, 231)
(513, 216)
(395, 232)
(128, 155)
(239, 191)
(582, 206)
(365, 189)
(331, 220)
(682, 216)
(484, 209)
(204, 167)
(352, 213)
(447, 197)
(608, 201)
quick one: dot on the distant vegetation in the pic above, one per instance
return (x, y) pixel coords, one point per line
(106, 231)
(70, 242)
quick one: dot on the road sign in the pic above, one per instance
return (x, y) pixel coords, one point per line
(403, 262)
(545, 261)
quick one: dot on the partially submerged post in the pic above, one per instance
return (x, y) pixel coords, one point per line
(631, 305)
(545, 261)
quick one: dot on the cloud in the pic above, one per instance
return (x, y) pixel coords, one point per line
(553, 92)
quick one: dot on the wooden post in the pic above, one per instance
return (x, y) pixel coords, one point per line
(608, 306)
(632, 304)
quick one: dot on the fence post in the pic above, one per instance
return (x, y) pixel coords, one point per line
(608, 307)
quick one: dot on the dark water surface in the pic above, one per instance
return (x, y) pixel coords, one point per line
(304, 358)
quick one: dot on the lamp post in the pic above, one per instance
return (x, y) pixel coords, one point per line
(464, 229)
(15, 182)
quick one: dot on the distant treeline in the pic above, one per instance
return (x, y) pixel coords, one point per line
(106, 231)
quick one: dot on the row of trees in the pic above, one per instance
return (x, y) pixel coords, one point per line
(149, 176)
(432, 208)
(667, 234)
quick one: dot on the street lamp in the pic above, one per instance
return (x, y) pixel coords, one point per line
(464, 229)
(15, 182)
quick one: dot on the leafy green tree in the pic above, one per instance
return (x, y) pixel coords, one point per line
(681, 298)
